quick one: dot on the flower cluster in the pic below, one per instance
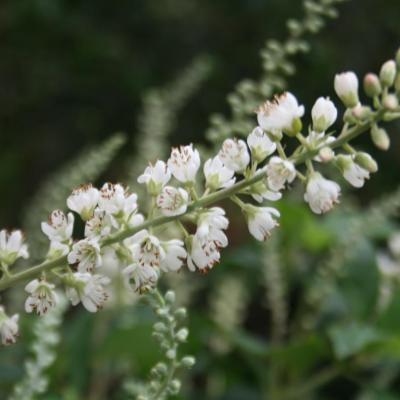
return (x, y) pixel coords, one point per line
(249, 171)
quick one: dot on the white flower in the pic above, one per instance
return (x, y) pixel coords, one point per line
(217, 174)
(118, 203)
(211, 220)
(85, 253)
(260, 220)
(261, 146)
(324, 114)
(279, 172)
(172, 201)
(57, 250)
(282, 114)
(175, 255)
(99, 225)
(346, 87)
(204, 250)
(260, 192)
(42, 296)
(12, 246)
(321, 193)
(8, 327)
(59, 226)
(155, 177)
(146, 249)
(184, 163)
(88, 289)
(234, 154)
(352, 172)
(83, 201)
(140, 278)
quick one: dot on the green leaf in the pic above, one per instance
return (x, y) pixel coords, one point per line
(350, 339)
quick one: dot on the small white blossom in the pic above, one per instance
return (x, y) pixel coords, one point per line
(321, 193)
(261, 221)
(42, 296)
(140, 278)
(279, 172)
(175, 255)
(146, 249)
(211, 220)
(59, 226)
(352, 172)
(99, 225)
(282, 114)
(83, 201)
(217, 174)
(346, 87)
(234, 154)
(8, 327)
(85, 253)
(12, 247)
(184, 163)
(172, 201)
(261, 146)
(205, 250)
(88, 289)
(324, 114)
(155, 177)
(57, 249)
(260, 192)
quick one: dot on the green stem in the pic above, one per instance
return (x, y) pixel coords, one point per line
(205, 201)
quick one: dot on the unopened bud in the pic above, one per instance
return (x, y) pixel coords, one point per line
(326, 154)
(170, 297)
(182, 334)
(388, 73)
(159, 327)
(171, 354)
(346, 87)
(161, 368)
(175, 386)
(365, 161)
(360, 112)
(343, 162)
(380, 138)
(372, 85)
(188, 361)
(181, 312)
(390, 102)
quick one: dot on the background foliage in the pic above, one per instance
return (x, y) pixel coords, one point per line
(72, 73)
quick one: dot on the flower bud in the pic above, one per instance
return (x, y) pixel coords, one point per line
(170, 297)
(372, 85)
(175, 386)
(171, 354)
(364, 160)
(323, 114)
(181, 313)
(188, 361)
(343, 162)
(326, 154)
(390, 102)
(346, 87)
(380, 138)
(182, 334)
(361, 113)
(388, 73)
(159, 327)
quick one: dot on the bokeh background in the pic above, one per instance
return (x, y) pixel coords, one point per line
(73, 72)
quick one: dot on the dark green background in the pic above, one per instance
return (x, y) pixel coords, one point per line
(73, 72)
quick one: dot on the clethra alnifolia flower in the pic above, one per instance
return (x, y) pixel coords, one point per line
(279, 172)
(261, 220)
(184, 163)
(234, 155)
(8, 327)
(86, 254)
(12, 247)
(83, 201)
(42, 296)
(217, 174)
(59, 226)
(261, 146)
(324, 114)
(172, 201)
(346, 87)
(155, 177)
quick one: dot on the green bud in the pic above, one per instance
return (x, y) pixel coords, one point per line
(159, 327)
(388, 73)
(372, 85)
(175, 386)
(380, 138)
(390, 102)
(170, 297)
(361, 113)
(181, 313)
(343, 162)
(171, 354)
(188, 361)
(365, 161)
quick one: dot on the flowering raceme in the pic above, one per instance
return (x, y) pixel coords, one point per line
(251, 172)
